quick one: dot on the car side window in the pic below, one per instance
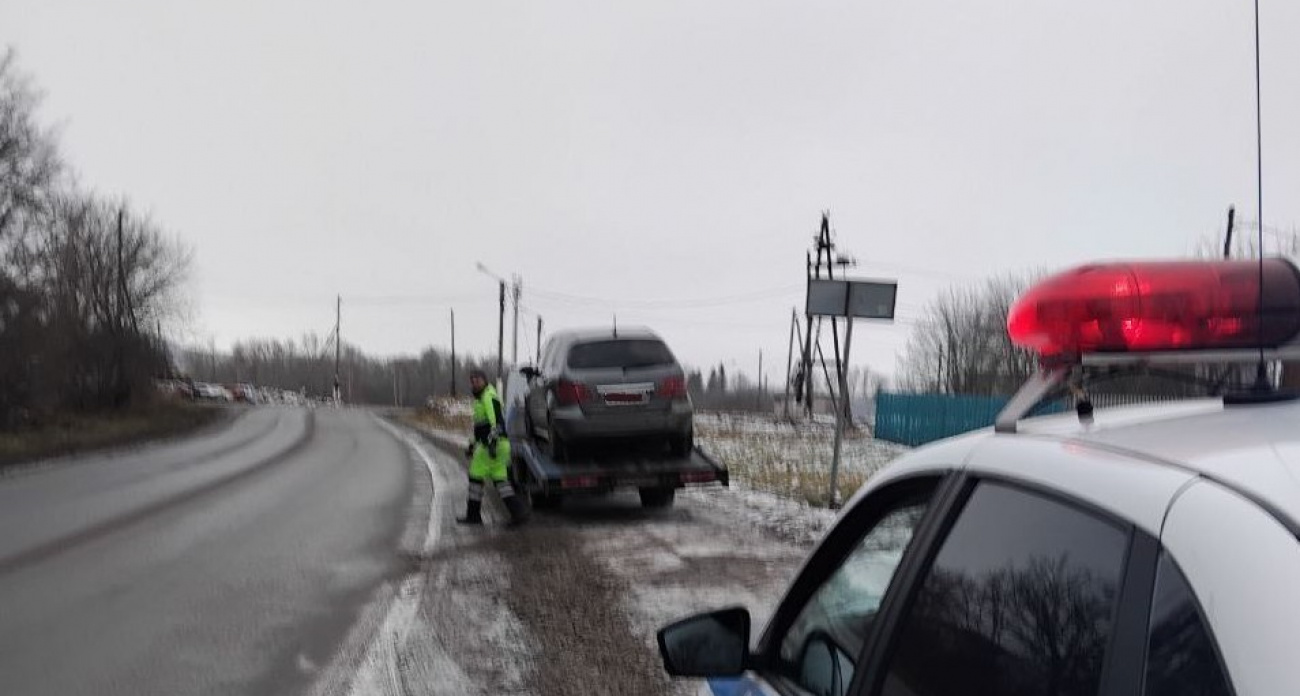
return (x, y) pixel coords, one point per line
(823, 642)
(1019, 600)
(1181, 656)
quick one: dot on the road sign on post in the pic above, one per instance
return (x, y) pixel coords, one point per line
(863, 299)
(851, 299)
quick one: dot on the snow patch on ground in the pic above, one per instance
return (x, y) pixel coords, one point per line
(691, 561)
(791, 460)
(793, 521)
(447, 629)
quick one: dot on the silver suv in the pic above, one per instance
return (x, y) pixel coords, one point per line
(605, 384)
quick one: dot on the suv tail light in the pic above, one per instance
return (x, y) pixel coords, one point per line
(673, 388)
(570, 393)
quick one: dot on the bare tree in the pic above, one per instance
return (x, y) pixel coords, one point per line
(961, 346)
(308, 364)
(29, 162)
(81, 278)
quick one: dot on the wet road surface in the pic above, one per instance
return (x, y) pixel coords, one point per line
(232, 562)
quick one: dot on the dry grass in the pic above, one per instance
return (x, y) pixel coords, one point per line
(441, 420)
(70, 434)
(791, 461)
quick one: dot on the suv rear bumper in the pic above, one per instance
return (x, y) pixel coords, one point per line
(573, 424)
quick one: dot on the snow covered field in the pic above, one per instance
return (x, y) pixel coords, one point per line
(790, 461)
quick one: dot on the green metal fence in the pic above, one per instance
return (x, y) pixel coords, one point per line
(915, 419)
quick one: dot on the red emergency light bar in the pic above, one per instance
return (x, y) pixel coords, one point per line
(1141, 307)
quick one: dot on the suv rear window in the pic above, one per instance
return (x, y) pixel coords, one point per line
(619, 353)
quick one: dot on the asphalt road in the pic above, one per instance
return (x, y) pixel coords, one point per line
(233, 562)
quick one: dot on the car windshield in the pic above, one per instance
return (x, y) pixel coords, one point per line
(624, 353)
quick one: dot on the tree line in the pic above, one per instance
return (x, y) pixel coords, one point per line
(961, 346)
(306, 365)
(719, 391)
(86, 281)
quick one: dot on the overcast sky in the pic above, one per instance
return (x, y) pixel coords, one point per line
(665, 161)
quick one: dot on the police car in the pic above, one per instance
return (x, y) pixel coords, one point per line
(1138, 550)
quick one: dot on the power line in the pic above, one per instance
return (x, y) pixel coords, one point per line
(917, 270)
(417, 299)
(752, 296)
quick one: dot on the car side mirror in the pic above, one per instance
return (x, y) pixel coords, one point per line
(715, 644)
(824, 668)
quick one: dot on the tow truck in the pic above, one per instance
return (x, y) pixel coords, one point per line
(547, 481)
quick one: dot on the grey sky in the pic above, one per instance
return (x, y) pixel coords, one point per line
(668, 150)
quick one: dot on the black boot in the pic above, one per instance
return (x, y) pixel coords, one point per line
(514, 505)
(473, 513)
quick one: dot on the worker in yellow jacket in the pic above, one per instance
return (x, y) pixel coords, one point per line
(489, 454)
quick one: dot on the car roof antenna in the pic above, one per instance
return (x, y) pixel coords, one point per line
(1261, 370)
(1227, 236)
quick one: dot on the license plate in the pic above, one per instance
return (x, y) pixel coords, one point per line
(618, 399)
(626, 394)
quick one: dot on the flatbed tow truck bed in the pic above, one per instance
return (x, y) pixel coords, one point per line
(609, 469)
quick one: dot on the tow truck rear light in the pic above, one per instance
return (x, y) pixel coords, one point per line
(673, 388)
(569, 393)
(1159, 306)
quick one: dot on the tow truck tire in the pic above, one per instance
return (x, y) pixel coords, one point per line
(657, 497)
(556, 447)
(681, 446)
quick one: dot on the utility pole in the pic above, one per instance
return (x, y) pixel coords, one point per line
(516, 290)
(538, 360)
(338, 344)
(453, 353)
(841, 420)
(789, 360)
(829, 245)
(760, 378)
(807, 349)
(825, 247)
(501, 333)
